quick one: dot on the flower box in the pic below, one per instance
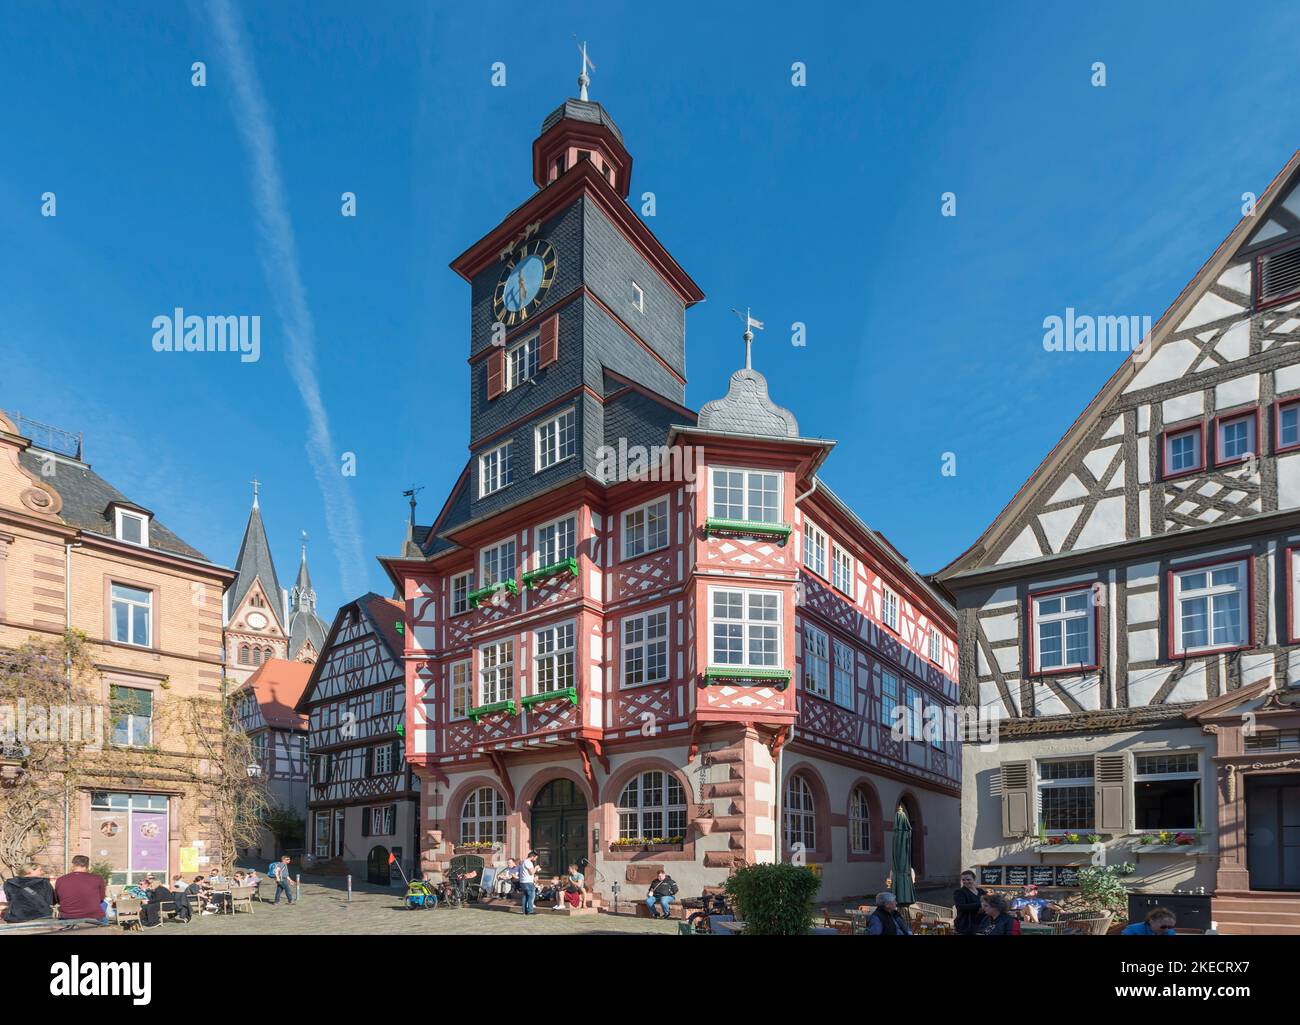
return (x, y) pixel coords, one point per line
(779, 532)
(715, 676)
(556, 568)
(476, 597)
(571, 693)
(1064, 848)
(1174, 849)
(646, 848)
(508, 707)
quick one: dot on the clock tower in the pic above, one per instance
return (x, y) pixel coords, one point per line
(572, 300)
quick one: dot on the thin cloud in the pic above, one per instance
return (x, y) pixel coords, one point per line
(279, 256)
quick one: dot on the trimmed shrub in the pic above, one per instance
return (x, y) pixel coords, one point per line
(774, 900)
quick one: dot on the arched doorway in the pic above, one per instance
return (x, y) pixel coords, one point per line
(559, 826)
(377, 870)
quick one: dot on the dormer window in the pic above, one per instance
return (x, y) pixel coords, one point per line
(561, 165)
(131, 527)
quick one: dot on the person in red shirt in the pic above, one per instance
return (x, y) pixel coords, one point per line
(80, 893)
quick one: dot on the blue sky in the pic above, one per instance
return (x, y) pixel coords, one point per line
(818, 204)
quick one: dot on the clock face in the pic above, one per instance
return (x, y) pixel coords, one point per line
(256, 620)
(524, 282)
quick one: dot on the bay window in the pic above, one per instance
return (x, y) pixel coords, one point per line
(753, 496)
(745, 627)
(557, 541)
(645, 648)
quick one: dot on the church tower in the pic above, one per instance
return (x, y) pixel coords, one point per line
(255, 617)
(306, 629)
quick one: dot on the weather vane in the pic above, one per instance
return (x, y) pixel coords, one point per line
(584, 79)
(750, 326)
(411, 493)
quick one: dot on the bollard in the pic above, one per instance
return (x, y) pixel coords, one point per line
(299, 896)
(349, 889)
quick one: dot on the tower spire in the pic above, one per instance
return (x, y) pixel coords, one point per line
(750, 325)
(256, 484)
(584, 79)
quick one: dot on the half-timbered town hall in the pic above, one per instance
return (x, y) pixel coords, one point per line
(1131, 615)
(638, 637)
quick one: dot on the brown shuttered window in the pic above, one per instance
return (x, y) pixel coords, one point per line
(548, 343)
(1277, 276)
(496, 373)
(1111, 780)
(1017, 799)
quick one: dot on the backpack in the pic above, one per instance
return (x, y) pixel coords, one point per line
(273, 869)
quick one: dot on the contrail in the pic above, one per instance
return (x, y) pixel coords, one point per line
(279, 257)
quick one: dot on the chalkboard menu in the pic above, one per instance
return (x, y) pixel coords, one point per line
(1042, 875)
(1067, 875)
(991, 875)
(1017, 875)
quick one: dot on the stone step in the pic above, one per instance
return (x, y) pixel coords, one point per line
(1251, 904)
(1236, 929)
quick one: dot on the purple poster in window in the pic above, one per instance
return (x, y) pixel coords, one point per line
(149, 841)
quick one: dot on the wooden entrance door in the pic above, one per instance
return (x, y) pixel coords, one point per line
(1273, 832)
(377, 870)
(559, 827)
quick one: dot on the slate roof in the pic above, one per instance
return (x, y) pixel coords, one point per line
(255, 561)
(747, 409)
(86, 498)
(581, 110)
(305, 625)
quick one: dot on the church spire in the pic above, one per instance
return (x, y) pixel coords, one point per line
(302, 596)
(584, 79)
(255, 563)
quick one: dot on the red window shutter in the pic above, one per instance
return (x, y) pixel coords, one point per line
(496, 371)
(548, 344)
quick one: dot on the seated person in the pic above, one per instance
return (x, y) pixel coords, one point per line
(994, 920)
(1029, 905)
(570, 890)
(194, 896)
(30, 896)
(550, 891)
(1159, 922)
(662, 892)
(151, 913)
(506, 884)
(81, 893)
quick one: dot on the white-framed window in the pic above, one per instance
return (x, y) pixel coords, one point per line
(842, 569)
(800, 814)
(645, 528)
(483, 817)
(1064, 630)
(816, 661)
(750, 495)
(889, 608)
(557, 541)
(1210, 607)
(814, 549)
(645, 648)
(462, 689)
(383, 760)
(132, 615)
(1288, 425)
(746, 628)
(935, 726)
(915, 709)
(936, 646)
(1184, 450)
(888, 697)
(521, 362)
(131, 527)
(859, 822)
(497, 563)
(460, 588)
(844, 663)
(383, 820)
(557, 439)
(554, 658)
(496, 673)
(1065, 795)
(1167, 791)
(494, 471)
(131, 709)
(653, 804)
(638, 297)
(1235, 438)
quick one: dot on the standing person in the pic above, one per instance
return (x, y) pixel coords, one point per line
(279, 871)
(661, 893)
(30, 896)
(81, 893)
(887, 920)
(966, 900)
(994, 920)
(528, 883)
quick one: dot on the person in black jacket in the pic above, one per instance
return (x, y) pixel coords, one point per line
(661, 893)
(30, 896)
(966, 899)
(151, 913)
(887, 920)
(995, 920)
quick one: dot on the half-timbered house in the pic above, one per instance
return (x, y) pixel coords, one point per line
(638, 637)
(362, 799)
(1130, 616)
(265, 707)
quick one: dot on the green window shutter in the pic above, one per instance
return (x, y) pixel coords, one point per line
(365, 821)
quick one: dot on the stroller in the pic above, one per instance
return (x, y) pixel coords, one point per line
(420, 894)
